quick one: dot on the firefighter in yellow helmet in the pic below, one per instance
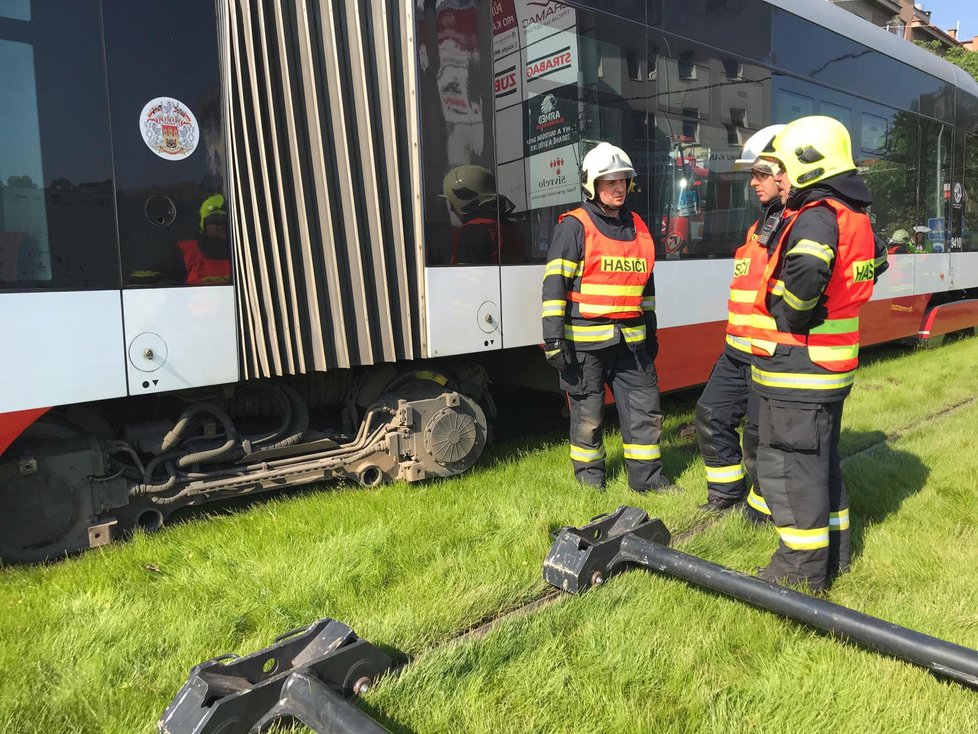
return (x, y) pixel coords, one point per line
(488, 234)
(805, 340)
(207, 259)
(599, 322)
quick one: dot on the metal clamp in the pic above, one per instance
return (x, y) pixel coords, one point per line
(302, 677)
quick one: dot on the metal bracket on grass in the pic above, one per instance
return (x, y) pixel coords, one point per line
(584, 557)
(587, 556)
(302, 677)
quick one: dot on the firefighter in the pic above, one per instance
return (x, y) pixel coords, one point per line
(805, 339)
(599, 322)
(724, 402)
(488, 233)
(207, 259)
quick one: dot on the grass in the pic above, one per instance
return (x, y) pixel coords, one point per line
(102, 642)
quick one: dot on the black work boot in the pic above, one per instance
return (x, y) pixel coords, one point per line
(716, 504)
(661, 485)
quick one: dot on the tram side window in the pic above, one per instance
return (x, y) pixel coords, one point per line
(57, 219)
(935, 187)
(708, 105)
(888, 158)
(969, 227)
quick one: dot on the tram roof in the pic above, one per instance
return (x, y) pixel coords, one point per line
(841, 21)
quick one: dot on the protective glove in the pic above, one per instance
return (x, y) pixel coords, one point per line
(557, 353)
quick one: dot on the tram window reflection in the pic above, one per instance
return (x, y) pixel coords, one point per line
(969, 227)
(55, 168)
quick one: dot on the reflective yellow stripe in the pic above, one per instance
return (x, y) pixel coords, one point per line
(802, 381)
(741, 296)
(554, 308)
(725, 474)
(594, 289)
(589, 333)
(739, 343)
(579, 453)
(764, 345)
(565, 268)
(740, 319)
(648, 303)
(833, 354)
(600, 310)
(798, 539)
(813, 248)
(763, 322)
(757, 502)
(642, 451)
(837, 326)
(839, 521)
(775, 287)
(798, 304)
(633, 334)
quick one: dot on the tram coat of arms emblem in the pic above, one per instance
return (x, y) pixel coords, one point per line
(169, 128)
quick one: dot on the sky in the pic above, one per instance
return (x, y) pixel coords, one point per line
(946, 13)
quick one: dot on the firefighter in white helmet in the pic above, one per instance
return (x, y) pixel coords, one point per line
(724, 402)
(599, 322)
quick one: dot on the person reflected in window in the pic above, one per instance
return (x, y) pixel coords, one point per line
(921, 242)
(207, 259)
(488, 235)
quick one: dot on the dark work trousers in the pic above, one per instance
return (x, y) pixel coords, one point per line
(635, 386)
(719, 412)
(800, 469)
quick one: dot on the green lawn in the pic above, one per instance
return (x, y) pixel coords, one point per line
(102, 642)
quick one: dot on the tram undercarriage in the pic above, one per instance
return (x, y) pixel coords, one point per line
(81, 477)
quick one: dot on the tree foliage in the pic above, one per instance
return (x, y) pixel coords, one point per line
(967, 60)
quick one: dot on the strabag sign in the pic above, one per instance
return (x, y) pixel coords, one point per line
(550, 64)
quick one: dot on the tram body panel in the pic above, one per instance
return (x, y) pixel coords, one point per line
(179, 338)
(60, 348)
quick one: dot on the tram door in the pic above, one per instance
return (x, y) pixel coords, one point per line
(61, 337)
(163, 77)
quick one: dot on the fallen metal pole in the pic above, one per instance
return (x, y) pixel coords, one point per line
(582, 557)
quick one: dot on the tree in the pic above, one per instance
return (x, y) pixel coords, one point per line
(958, 55)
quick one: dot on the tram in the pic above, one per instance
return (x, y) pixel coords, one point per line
(247, 246)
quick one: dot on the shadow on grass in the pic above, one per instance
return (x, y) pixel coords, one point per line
(878, 480)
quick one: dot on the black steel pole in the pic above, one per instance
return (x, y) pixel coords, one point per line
(942, 657)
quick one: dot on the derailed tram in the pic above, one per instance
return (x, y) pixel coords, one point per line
(248, 246)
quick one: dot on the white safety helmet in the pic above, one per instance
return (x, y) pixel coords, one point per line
(605, 161)
(755, 144)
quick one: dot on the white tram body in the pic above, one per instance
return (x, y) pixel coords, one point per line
(336, 326)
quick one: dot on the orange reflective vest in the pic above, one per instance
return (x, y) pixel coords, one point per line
(831, 346)
(750, 260)
(505, 239)
(202, 269)
(614, 272)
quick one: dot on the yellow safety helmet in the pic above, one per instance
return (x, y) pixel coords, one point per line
(812, 149)
(212, 206)
(604, 161)
(900, 237)
(471, 186)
